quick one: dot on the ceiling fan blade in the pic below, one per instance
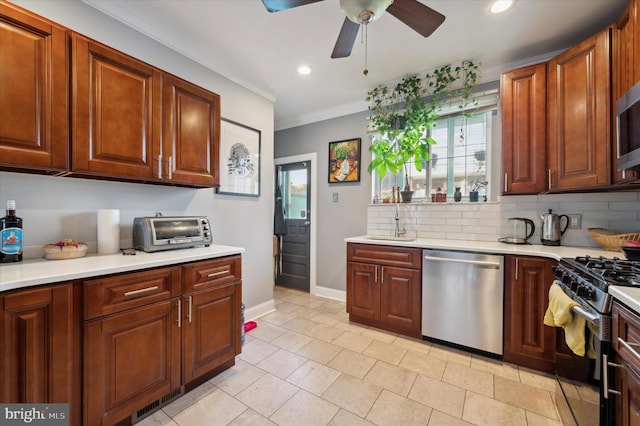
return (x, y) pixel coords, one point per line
(346, 38)
(417, 16)
(278, 5)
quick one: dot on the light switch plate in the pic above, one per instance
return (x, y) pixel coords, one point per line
(335, 197)
(575, 221)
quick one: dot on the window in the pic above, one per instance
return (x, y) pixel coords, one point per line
(458, 159)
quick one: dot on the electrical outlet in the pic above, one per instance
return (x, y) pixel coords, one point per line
(335, 197)
(575, 221)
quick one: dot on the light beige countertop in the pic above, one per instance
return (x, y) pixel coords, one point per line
(32, 272)
(630, 296)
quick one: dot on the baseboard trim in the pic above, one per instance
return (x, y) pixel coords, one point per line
(331, 293)
(260, 310)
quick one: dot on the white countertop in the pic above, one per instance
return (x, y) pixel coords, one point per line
(630, 296)
(42, 271)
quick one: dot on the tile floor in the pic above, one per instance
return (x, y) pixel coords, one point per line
(306, 364)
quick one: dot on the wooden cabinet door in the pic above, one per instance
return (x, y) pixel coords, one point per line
(528, 342)
(623, 77)
(34, 124)
(635, 16)
(579, 115)
(400, 298)
(628, 404)
(116, 114)
(211, 332)
(524, 130)
(131, 359)
(38, 350)
(191, 122)
(363, 290)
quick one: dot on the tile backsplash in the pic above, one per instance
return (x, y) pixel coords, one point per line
(487, 221)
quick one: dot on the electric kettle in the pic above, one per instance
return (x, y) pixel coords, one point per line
(552, 229)
(520, 229)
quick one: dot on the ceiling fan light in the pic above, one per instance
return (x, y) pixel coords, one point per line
(304, 70)
(364, 11)
(500, 6)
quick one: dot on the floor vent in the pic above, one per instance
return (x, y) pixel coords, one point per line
(156, 405)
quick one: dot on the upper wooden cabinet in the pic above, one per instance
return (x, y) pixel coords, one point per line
(524, 129)
(579, 115)
(34, 104)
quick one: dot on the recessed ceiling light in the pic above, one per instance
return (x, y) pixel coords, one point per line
(304, 70)
(500, 6)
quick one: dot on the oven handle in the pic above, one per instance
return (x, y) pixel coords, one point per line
(595, 319)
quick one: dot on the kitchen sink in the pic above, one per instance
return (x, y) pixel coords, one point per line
(389, 238)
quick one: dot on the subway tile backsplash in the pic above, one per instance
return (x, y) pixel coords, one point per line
(487, 221)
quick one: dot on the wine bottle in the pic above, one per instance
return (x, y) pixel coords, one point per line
(11, 235)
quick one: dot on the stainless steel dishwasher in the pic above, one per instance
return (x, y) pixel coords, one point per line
(462, 299)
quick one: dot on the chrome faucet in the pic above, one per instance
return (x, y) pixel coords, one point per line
(398, 232)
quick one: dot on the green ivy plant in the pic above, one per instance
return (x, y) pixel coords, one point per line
(402, 114)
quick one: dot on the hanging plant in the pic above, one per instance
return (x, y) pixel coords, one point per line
(402, 114)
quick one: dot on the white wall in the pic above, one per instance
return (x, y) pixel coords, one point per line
(55, 208)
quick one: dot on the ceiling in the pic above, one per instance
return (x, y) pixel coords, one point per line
(259, 50)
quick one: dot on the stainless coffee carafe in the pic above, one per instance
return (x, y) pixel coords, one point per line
(551, 228)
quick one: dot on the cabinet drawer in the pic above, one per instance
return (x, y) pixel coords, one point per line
(212, 273)
(626, 326)
(112, 294)
(385, 255)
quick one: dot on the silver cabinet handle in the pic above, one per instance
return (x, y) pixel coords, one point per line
(505, 182)
(605, 377)
(517, 268)
(170, 167)
(630, 347)
(190, 305)
(549, 173)
(382, 275)
(142, 290)
(179, 313)
(375, 274)
(216, 274)
(159, 166)
(469, 262)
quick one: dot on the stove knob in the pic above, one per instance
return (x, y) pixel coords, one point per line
(584, 292)
(574, 284)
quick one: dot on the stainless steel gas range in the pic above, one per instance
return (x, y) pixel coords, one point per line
(586, 281)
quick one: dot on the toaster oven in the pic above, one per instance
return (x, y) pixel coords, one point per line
(159, 233)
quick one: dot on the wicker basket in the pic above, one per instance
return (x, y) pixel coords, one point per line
(612, 240)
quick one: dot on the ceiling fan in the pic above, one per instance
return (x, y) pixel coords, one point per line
(416, 15)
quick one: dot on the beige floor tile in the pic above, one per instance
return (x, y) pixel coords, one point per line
(439, 418)
(313, 377)
(390, 408)
(267, 394)
(251, 418)
(326, 333)
(538, 379)
(352, 363)
(285, 307)
(237, 378)
(326, 318)
(423, 364)
(345, 418)
(266, 331)
(256, 350)
(215, 408)
(279, 317)
(525, 396)
(436, 394)
(159, 418)
(305, 409)
(332, 307)
(390, 377)
(292, 341)
(385, 352)
(450, 355)
(281, 363)
(382, 335)
(352, 341)
(467, 378)
(482, 411)
(496, 367)
(301, 325)
(352, 394)
(588, 393)
(534, 419)
(187, 400)
(319, 351)
(415, 345)
(352, 327)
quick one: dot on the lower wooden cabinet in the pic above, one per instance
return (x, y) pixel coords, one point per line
(39, 347)
(626, 343)
(528, 342)
(384, 287)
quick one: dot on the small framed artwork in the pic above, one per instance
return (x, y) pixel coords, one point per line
(344, 161)
(239, 159)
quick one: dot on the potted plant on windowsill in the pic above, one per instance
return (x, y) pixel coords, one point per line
(402, 114)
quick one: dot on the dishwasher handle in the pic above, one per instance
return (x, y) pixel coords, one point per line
(495, 265)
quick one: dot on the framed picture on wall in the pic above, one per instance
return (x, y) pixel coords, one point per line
(239, 159)
(344, 161)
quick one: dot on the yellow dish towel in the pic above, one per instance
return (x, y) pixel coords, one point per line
(559, 314)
